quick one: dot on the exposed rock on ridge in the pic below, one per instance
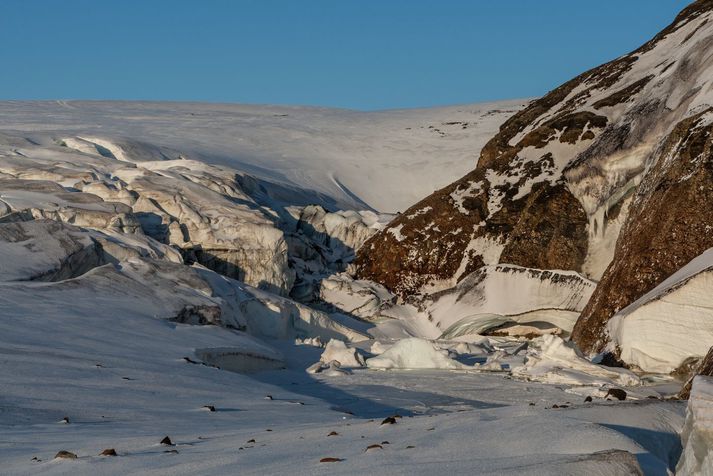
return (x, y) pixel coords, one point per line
(669, 224)
(552, 189)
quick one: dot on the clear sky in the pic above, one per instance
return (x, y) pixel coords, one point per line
(361, 54)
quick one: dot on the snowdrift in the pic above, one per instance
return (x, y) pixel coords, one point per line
(554, 360)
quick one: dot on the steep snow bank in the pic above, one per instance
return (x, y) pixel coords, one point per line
(201, 209)
(672, 322)
(321, 243)
(697, 434)
(509, 291)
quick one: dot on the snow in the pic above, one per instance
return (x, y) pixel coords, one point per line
(120, 377)
(512, 292)
(332, 368)
(697, 434)
(336, 350)
(670, 323)
(489, 249)
(419, 212)
(414, 353)
(343, 159)
(396, 231)
(459, 195)
(39, 248)
(360, 298)
(558, 361)
(138, 342)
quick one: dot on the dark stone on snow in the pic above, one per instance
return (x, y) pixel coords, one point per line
(617, 393)
(65, 455)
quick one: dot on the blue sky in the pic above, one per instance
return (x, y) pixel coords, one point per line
(361, 54)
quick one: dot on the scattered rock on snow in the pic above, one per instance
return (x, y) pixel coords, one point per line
(389, 421)
(617, 393)
(199, 315)
(330, 460)
(65, 455)
(166, 441)
(108, 452)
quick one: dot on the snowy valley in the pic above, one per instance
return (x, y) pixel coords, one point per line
(191, 288)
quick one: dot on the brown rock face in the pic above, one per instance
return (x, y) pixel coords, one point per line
(556, 175)
(669, 224)
(551, 232)
(704, 367)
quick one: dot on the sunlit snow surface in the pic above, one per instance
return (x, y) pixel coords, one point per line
(104, 325)
(385, 160)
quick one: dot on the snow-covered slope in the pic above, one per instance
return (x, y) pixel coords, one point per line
(341, 159)
(140, 346)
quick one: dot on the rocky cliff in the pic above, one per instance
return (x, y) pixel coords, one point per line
(608, 175)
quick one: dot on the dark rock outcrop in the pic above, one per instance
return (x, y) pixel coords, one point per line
(704, 367)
